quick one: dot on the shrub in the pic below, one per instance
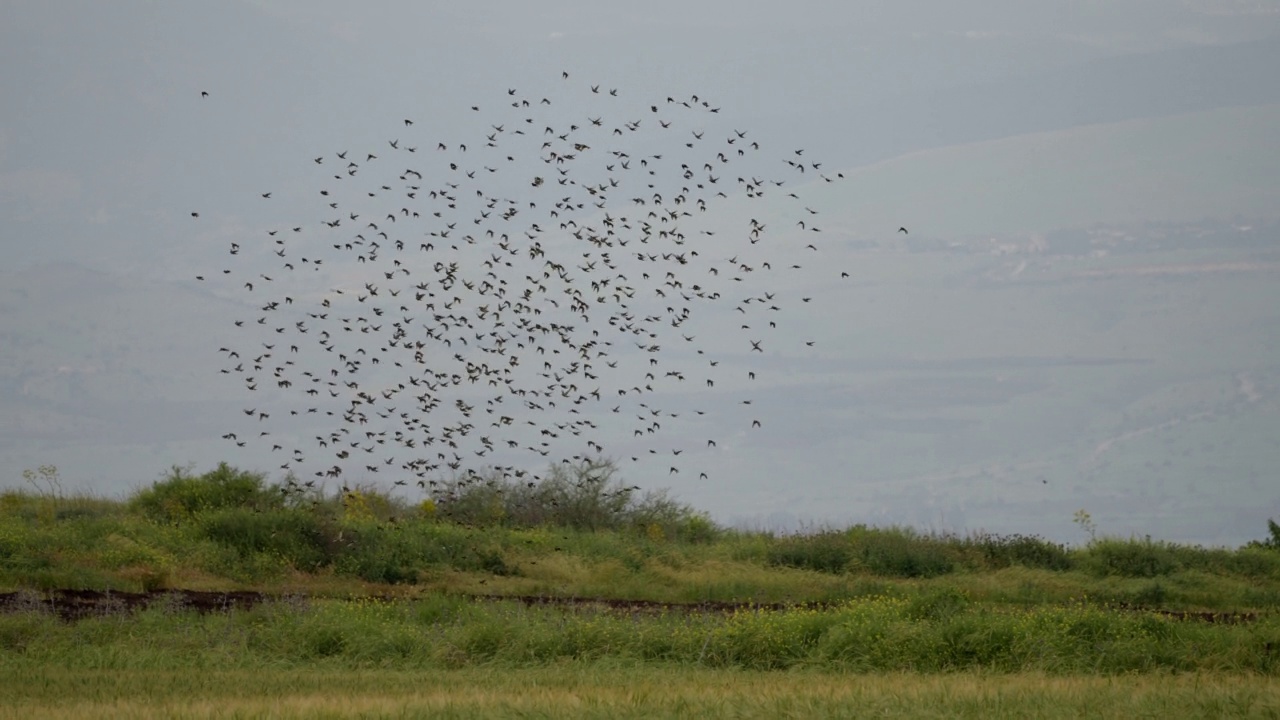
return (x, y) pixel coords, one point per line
(396, 553)
(900, 552)
(1001, 551)
(179, 496)
(937, 604)
(1130, 558)
(675, 520)
(1150, 595)
(1253, 562)
(891, 552)
(366, 502)
(828, 551)
(371, 553)
(491, 562)
(585, 496)
(296, 536)
(698, 528)
(1271, 543)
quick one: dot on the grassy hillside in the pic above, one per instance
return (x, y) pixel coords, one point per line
(574, 534)
(378, 606)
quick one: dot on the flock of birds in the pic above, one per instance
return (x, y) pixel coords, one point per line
(552, 290)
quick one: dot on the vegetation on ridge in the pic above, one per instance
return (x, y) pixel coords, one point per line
(579, 532)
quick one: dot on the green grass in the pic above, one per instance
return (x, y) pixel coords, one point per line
(940, 631)
(933, 655)
(594, 691)
(228, 529)
(377, 615)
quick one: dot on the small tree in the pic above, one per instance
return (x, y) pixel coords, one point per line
(1271, 543)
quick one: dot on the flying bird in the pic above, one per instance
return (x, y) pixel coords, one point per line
(550, 305)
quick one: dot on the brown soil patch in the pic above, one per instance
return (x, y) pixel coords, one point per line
(76, 604)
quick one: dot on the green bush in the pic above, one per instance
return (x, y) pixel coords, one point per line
(697, 528)
(889, 552)
(585, 496)
(1001, 551)
(298, 537)
(371, 553)
(1252, 562)
(1271, 543)
(828, 551)
(1130, 558)
(1261, 598)
(1152, 594)
(180, 496)
(901, 552)
(397, 553)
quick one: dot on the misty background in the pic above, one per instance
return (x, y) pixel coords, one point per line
(1085, 314)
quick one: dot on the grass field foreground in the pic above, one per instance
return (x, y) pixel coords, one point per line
(374, 611)
(595, 691)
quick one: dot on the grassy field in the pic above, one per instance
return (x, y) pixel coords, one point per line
(378, 607)
(595, 691)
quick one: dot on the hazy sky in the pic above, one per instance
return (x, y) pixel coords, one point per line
(102, 130)
(997, 121)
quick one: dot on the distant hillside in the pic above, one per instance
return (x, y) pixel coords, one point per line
(82, 352)
(1220, 163)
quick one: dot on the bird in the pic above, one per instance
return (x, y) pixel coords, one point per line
(576, 274)
(902, 230)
